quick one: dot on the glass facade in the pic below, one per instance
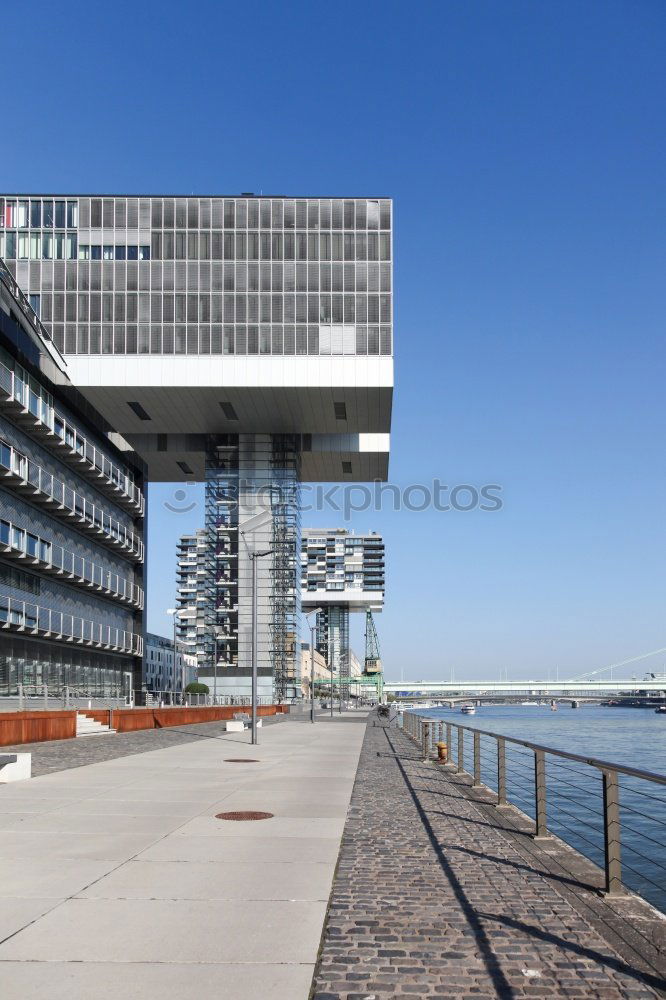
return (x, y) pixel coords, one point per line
(238, 276)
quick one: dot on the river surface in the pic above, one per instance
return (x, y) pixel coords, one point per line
(632, 737)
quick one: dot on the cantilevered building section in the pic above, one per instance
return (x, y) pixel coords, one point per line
(340, 572)
(242, 341)
(71, 526)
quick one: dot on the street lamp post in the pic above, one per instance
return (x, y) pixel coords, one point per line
(174, 612)
(260, 520)
(312, 662)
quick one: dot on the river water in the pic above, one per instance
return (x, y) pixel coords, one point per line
(630, 736)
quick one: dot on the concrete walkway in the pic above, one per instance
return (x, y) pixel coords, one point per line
(117, 879)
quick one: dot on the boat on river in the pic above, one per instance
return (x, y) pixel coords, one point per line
(468, 709)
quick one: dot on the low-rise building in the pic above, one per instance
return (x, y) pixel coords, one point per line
(162, 674)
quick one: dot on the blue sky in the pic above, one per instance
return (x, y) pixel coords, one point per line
(523, 144)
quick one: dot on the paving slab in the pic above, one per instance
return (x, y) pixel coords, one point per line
(142, 981)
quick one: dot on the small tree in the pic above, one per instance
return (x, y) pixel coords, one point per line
(196, 687)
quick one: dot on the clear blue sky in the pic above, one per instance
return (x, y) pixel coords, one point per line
(523, 144)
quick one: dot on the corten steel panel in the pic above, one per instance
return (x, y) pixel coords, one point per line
(34, 727)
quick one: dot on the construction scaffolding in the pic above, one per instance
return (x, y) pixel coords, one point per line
(247, 474)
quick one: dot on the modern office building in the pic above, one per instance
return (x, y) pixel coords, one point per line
(241, 341)
(71, 524)
(340, 572)
(164, 673)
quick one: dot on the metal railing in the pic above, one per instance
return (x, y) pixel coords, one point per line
(14, 543)
(42, 410)
(25, 616)
(62, 498)
(603, 809)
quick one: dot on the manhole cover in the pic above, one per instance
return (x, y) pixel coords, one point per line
(247, 815)
(240, 760)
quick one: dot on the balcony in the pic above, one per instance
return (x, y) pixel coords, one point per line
(28, 478)
(36, 413)
(16, 544)
(33, 619)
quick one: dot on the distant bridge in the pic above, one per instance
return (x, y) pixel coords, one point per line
(535, 689)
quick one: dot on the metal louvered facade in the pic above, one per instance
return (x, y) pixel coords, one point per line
(201, 276)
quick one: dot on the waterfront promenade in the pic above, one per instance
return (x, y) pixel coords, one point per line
(116, 877)
(438, 894)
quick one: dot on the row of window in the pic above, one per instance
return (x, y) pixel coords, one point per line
(71, 563)
(38, 213)
(25, 541)
(117, 251)
(67, 498)
(277, 213)
(215, 340)
(38, 246)
(29, 662)
(25, 614)
(16, 578)
(270, 246)
(196, 213)
(123, 307)
(63, 246)
(24, 388)
(201, 246)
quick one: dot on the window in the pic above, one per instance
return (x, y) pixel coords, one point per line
(144, 253)
(132, 253)
(95, 252)
(120, 253)
(35, 214)
(84, 251)
(107, 253)
(72, 213)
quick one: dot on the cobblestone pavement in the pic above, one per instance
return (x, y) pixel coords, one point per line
(438, 894)
(58, 755)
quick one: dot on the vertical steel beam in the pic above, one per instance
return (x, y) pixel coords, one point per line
(612, 839)
(425, 739)
(461, 749)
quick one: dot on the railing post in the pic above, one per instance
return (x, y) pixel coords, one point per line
(501, 771)
(540, 794)
(425, 739)
(461, 749)
(20, 695)
(46, 695)
(612, 842)
(477, 760)
(448, 741)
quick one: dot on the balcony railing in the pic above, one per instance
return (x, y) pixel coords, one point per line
(64, 501)
(24, 616)
(16, 543)
(60, 432)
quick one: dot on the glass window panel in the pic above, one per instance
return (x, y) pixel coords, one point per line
(72, 213)
(60, 214)
(23, 244)
(36, 214)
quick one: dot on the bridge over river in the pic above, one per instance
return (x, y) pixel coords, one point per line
(600, 689)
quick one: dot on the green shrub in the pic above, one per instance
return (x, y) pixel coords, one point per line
(197, 688)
